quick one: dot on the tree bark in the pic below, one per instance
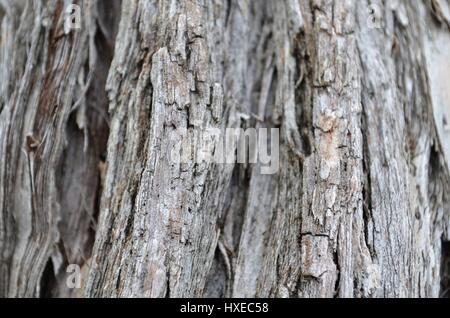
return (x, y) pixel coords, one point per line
(89, 117)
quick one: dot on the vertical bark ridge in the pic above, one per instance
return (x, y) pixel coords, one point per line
(166, 76)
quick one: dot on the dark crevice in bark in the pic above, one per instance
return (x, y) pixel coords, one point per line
(167, 285)
(217, 281)
(434, 173)
(228, 4)
(338, 271)
(445, 269)
(235, 203)
(303, 91)
(367, 187)
(47, 281)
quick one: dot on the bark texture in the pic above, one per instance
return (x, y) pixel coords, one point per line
(89, 118)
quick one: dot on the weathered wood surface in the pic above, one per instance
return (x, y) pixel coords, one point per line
(359, 205)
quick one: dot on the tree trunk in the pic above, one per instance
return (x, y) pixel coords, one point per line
(89, 119)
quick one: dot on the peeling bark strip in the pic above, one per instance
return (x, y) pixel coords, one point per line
(88, 122)
(53, 131)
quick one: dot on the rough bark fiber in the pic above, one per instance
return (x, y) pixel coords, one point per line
(88, 121)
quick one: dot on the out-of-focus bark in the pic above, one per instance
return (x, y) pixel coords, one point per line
(53, 134)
